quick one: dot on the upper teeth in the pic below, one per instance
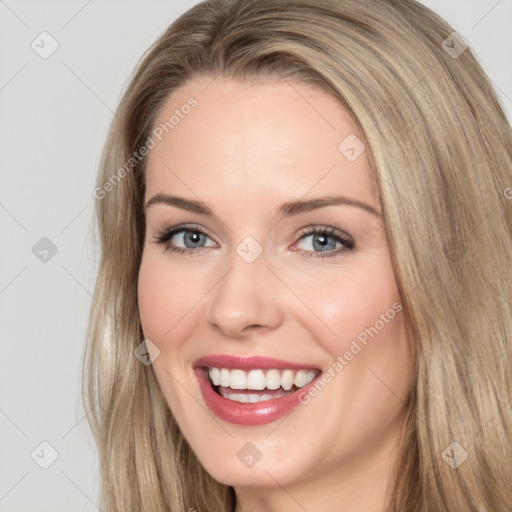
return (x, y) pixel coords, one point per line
(258, 379)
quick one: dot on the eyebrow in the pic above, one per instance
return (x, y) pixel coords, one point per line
(286, 209)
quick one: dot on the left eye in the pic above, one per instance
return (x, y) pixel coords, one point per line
(321, 242)
(325, 242)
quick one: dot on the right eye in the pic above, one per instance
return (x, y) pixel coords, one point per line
(191, 238)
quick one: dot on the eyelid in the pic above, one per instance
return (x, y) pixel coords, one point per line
(167, 233)
(332, 231)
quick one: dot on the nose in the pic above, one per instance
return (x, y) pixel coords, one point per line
(246, 300)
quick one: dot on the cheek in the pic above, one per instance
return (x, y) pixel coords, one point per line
(166, 294)
(344, 304)
(153, 297)
(357, 317)
(162, 311)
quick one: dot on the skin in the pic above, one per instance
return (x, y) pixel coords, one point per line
(244, 150)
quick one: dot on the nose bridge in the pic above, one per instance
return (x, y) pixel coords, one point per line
(245, 296)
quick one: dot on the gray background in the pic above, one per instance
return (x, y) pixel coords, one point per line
(54, 117)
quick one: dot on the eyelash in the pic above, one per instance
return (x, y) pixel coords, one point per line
(349, 243)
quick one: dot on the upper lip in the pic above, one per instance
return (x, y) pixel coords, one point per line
(250, 363)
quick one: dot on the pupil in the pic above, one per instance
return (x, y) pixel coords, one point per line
(194, 237)
(321, 241)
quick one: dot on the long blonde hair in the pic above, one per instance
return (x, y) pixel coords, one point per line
(441, 151)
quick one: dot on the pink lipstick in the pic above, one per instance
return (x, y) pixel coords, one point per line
(252, 390)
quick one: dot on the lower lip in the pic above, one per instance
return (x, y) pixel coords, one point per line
(240, 413)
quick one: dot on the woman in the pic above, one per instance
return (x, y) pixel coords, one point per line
(303, 300)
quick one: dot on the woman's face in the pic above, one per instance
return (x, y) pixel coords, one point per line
(277, 272)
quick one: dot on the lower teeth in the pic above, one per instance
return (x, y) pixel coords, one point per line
(246, 397)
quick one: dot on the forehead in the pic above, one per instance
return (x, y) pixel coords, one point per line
(254, 140)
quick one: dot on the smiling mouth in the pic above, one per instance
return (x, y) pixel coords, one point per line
(257, 385)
